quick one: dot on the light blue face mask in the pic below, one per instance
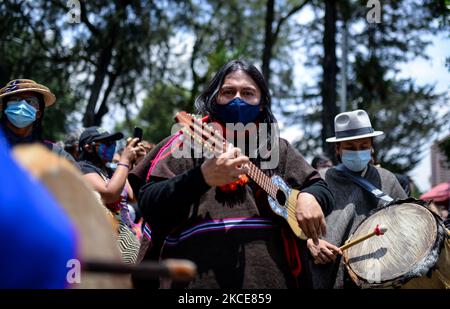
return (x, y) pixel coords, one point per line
(356, 161)
(20, 113)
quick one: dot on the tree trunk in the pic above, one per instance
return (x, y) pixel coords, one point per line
(329, 108)
(197, 80)
(103, 109)
(90, 117)
(100, 74)
(268, 40)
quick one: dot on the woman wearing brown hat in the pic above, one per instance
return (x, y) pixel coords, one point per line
(22, 105)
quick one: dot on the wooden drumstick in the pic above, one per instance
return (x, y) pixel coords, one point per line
(176, 269)
(379, 230)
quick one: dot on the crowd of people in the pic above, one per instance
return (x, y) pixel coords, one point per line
(220, 212)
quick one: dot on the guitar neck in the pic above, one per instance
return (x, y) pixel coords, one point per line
(206, 136)
(261, 179)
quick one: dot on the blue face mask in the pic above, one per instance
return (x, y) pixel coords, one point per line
(20, 113)
(237, 110)
(356, 161)
(106, 153)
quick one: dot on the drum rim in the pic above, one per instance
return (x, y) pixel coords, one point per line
(397, 281)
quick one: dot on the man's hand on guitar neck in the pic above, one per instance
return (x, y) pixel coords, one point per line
(310, 216)
(224, 169)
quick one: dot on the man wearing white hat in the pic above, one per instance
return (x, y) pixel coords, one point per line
(22, 104)
(354, 146)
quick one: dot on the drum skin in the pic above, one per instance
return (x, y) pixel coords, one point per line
(97, 237)
(409, 248)
(439, 277)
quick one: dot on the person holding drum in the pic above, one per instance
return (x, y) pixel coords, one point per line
(353, 202)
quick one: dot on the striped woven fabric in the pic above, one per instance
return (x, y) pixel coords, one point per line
(226, 224)
(128, 244)
(147, 232)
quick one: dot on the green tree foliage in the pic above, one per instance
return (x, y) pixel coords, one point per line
(156, 116)
(407, 113)
(221, 31)
(120, 46)
(166, 51)
(31, 47)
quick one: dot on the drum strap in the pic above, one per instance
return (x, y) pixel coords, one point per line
(364, 183)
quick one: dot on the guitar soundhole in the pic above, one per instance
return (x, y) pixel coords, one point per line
(281, 197)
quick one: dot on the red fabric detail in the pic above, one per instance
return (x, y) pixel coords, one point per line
(160, 155)
(291, 252)
(243, 179)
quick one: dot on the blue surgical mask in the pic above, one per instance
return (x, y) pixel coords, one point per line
(356, 161)
(20, 113)
(106, 153)
(237, 110)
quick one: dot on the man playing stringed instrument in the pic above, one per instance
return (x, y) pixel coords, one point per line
(225, 212)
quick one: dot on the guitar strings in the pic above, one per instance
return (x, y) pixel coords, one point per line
(291, 209)
(254, 172)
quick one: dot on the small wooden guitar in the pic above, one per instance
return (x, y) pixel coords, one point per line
(282, 199)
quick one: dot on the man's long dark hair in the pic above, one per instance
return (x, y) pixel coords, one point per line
(206, 101)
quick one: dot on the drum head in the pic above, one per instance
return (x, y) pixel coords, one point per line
(411, 235)
(97, 237)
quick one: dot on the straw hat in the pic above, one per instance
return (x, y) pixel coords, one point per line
(26, 85)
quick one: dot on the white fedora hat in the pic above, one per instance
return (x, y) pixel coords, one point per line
(352, 125)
